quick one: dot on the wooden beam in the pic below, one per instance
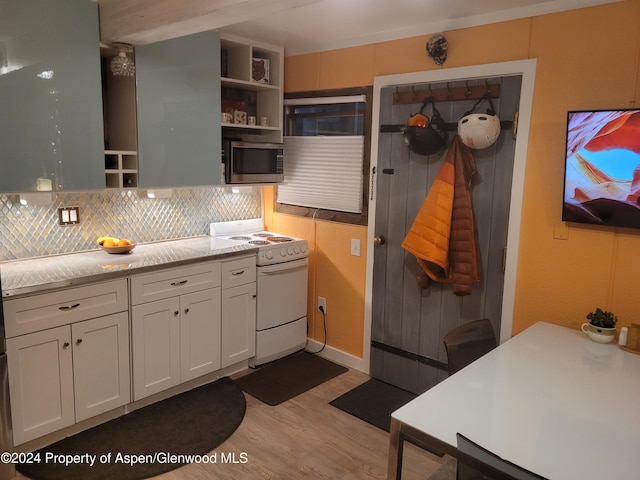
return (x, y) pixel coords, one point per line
(140, 22)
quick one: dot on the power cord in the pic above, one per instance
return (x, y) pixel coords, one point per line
(324, 322)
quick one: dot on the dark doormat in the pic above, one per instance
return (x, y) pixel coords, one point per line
(374, 401)
(159, 438)
(288, 377)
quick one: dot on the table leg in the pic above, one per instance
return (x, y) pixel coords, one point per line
(394, 471)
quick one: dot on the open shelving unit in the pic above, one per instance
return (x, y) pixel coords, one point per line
(242, 71)
(120, 130)
(121, 168)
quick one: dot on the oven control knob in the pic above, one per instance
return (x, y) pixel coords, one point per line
(296, 250)
(283, 252)
(269, 255)
(290, 251)
(303, 249)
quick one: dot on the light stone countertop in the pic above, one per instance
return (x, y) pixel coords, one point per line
(34, 275)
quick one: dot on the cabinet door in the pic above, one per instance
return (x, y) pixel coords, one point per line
(238, 323)
(40, 383)
(155, 346)
(100, 364)
(200, 333)
(51, 96)
(178, 95)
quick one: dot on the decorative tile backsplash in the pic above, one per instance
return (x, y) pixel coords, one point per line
(32, 230)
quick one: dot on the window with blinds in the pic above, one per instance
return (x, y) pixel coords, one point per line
(324, 153)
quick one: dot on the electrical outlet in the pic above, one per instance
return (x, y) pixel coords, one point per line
(322, 302)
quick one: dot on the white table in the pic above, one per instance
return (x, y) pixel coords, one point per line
(549, 400)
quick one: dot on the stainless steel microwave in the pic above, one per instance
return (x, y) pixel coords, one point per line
(253, 162)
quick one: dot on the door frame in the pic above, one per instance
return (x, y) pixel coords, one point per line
(525, 68)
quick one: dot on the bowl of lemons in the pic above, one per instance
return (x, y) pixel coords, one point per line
(116, 245)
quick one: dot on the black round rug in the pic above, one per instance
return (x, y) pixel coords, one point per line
(149, 441)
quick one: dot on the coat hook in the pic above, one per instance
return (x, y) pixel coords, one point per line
(449, 92)
(467, 94)
(396, 96)
(486, 84)
(415, 95)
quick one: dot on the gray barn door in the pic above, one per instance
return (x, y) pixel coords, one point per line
(408, 322)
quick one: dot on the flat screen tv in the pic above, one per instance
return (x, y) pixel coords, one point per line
(602, 168)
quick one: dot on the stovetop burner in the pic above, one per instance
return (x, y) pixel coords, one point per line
(279, 239)
(273, 248)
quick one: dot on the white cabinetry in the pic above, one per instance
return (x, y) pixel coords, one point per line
(244, 64)
(175, 326)
(238, 310)
(65, 366)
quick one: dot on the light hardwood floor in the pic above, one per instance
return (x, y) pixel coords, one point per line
(306, 437)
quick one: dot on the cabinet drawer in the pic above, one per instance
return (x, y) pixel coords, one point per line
(48, 310)
(174, 281)
(238, 271)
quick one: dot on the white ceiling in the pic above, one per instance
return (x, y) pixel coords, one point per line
(329, 24)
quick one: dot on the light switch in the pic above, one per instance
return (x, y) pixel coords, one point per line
(355, 247)
(68, 216)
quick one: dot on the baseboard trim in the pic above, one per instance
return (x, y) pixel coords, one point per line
(338, 356)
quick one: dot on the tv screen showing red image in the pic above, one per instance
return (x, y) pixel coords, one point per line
(602, 168)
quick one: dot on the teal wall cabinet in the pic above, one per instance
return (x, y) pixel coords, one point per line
(178, 109)
(51, 131)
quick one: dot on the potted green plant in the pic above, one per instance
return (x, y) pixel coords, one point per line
(601, 327)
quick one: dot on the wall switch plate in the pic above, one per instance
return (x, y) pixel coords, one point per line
(68, 216)
(355, 247)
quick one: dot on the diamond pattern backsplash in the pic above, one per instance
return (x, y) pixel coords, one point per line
(33, 231)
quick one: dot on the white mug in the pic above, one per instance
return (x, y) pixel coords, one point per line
(252, 120)
(227, 117)
(264, 121)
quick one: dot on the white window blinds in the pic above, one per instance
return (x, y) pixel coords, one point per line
(324, 153)
(323, 172)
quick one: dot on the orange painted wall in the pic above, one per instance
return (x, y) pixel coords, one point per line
(586, 58)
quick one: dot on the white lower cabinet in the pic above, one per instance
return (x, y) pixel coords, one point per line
(67, 374)
(238, 310)
(175, 340)
(176, 328)
(238, 323)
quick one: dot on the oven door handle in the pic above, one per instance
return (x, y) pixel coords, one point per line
(286, 267)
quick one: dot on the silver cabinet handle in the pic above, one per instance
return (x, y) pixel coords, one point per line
(237, 273)
(69, 307)
(181, 282)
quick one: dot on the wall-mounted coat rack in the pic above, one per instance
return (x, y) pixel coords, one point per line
(446, 94)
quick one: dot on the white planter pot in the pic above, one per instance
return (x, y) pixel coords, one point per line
(599, 334)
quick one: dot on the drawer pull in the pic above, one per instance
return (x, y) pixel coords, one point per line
(237, 273)
(79, 341)
(65, 345)
(176, 313)
(186, 310)
(181, 282)
(69, 307)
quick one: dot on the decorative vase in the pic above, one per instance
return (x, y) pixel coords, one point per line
(599, 334)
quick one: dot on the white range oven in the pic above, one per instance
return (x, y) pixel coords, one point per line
(282, 266)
